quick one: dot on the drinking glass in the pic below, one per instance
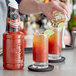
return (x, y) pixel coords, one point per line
(55, 44)
(40, 50)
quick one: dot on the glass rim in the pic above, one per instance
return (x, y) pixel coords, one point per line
(55, 28)
(40, 33)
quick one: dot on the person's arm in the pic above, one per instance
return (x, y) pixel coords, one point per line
(33, 6)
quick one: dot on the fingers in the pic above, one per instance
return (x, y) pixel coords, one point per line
(64, 6)
(57, 5)
(60, 9)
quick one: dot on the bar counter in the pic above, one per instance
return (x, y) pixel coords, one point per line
(67, 68)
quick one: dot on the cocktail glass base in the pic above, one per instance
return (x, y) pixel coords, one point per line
(57, 61)
(54, 56)
(35, 68)
(40, 65)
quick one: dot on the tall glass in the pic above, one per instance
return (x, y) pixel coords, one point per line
(55, 44)
(40, 50)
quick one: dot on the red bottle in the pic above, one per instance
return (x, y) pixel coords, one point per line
(13, 41)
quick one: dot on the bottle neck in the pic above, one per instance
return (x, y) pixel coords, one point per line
(13, 20)
(74, 2)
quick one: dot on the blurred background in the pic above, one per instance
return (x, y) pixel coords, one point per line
(31, 23)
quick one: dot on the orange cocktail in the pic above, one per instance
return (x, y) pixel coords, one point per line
(40, 48)
(55, 44)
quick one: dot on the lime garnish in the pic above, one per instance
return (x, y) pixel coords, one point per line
(49, 32)
(61, 25)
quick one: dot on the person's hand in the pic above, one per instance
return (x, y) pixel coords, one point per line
(49, 8)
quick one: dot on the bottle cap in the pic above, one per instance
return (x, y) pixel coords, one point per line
(13, 4)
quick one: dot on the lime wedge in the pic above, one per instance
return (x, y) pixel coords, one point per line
(49, 32)
(61, 25)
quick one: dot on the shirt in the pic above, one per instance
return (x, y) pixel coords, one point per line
(3, 15)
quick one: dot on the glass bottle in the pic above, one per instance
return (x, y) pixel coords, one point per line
(13, 40)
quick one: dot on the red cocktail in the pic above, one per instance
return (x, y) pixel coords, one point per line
(40, 49)
(55, 44)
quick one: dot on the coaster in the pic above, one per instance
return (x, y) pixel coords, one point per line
(57, 61)
(46, 69)
(68, 47)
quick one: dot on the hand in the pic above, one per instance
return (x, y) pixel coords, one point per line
(49, 8)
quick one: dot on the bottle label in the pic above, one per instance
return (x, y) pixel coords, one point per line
(13, 17)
